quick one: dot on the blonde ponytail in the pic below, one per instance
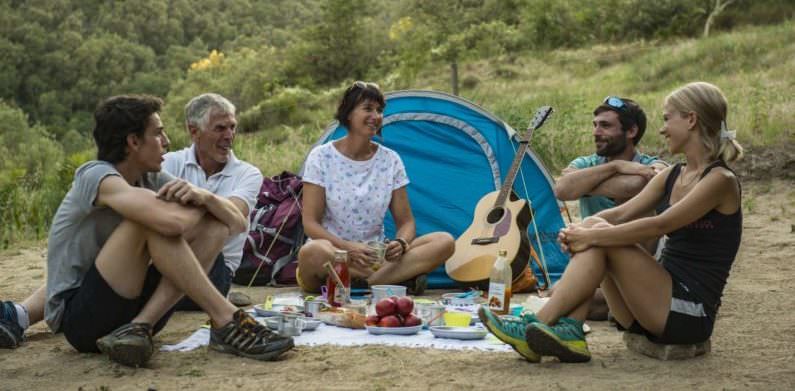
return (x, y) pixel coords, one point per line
(730, 150)
(710, 106)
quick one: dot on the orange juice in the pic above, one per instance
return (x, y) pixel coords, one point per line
(499, 299)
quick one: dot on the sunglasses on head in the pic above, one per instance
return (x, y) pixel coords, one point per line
(364, 85)
(615, 102)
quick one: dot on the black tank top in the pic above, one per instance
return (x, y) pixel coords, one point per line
(701, 253)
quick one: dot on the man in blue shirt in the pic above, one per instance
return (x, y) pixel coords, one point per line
(615, 173)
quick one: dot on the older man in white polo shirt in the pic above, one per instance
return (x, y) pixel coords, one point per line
(209, 163)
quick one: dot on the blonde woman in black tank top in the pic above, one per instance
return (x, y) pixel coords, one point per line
(674, 301)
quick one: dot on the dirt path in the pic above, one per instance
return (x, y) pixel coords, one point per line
(753, 345)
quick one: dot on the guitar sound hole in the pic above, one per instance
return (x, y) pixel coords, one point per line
(495, 215)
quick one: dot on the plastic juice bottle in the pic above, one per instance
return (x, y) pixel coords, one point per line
(336, 297)
(499, 300)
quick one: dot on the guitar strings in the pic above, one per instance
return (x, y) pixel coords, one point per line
(532, 214)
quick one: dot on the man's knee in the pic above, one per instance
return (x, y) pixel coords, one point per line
(132, 230)
(209, 228)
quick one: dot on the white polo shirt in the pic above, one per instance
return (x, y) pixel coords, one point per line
(237, 179)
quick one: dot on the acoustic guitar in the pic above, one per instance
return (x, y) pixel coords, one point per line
(500, 223)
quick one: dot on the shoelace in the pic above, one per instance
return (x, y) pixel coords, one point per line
(138, 329)
(515, 327)
(247, 333)
(567, 330)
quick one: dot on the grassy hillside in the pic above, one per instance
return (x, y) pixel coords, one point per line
(755, 67)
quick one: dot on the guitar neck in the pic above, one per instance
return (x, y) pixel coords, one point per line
(505, 191)
(541, 115)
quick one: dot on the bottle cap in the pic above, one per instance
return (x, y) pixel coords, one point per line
(340, 255)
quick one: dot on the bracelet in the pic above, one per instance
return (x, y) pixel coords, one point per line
(404, 245)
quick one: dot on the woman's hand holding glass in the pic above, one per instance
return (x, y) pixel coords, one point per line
(360, 255)
(378, 250)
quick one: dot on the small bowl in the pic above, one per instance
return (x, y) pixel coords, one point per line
(384, 291)
(457, 319)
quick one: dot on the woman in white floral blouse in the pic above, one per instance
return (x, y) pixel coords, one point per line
(349, 184)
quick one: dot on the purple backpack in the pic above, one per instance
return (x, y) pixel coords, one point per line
(275, 234)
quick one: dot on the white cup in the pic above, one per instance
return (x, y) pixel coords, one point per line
(384, 291)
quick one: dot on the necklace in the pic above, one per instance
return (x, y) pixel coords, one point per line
(362, 156)
(682, 180)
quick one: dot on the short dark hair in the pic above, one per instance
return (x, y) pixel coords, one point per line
(117, 117)
(357, 93)
(630, 114)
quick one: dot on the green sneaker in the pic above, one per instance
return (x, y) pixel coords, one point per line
(511, 330)
(565, 340)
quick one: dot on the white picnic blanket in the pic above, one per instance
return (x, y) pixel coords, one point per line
(339, 336)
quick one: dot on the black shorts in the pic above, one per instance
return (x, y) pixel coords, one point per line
(94, 309)
(687, 321)
(221, 278)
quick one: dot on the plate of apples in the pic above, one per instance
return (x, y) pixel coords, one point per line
(394, 315)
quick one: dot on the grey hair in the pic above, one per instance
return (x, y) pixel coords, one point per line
(197, 111)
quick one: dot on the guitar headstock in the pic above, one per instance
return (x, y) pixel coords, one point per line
(542, 114)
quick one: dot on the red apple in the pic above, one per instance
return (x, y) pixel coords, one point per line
(405, 305)
(411, 320)
(372, 320)
(389, 321)
(385, 307)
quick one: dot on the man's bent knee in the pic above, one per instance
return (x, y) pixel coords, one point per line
(208, 227)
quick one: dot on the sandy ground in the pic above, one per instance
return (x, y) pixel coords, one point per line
(753, 345)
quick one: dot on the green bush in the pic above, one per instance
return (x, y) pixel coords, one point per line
(470, 81)
(289, 106)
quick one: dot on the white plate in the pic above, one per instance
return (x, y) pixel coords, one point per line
(394, 330)
(278, 309)
(458, 332)
(288, 300)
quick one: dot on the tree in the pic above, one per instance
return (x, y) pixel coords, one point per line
(719, 6)
(455, 29)
(343, 44)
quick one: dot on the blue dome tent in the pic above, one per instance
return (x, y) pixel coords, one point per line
(456, 152)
